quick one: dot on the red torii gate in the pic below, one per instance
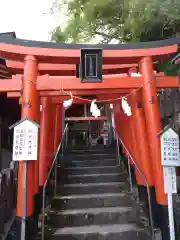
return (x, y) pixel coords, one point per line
(31, 60)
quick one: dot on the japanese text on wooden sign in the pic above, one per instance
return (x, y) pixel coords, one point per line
(170, 182)
(170, 159)
(170, 148)
(25, 142)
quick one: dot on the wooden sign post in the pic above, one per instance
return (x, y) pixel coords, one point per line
(170, 160)
(25, 148)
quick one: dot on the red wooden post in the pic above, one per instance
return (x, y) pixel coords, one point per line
(30, 106)
(153, 125)
(58, 126)
(44, 140)
(131, 144)
(116, 110)
(134, 153)
(126, 131)
(52, 131)
(153, 122)
(144, 159)
(139, 127)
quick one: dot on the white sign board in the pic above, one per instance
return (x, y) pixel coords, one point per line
(170, 183)
(170, 148)
(25, 141)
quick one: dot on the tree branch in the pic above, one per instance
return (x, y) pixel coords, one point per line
(101, 34)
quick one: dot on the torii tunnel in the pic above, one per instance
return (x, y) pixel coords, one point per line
(45, 74)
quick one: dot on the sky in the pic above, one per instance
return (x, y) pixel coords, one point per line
(30, 19)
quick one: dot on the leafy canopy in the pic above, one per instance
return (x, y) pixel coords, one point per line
(121, 21)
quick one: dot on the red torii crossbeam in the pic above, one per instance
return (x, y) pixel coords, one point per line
(46, 83)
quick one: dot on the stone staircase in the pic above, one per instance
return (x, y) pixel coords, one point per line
(93, 201)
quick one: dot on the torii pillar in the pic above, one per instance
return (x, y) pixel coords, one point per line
(144, 160)
(30, 109)
(58, 126)
(45, 131)
(126, 133)
(152, 116)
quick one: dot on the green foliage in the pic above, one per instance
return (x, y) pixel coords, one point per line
(168, 68)
(120, 20)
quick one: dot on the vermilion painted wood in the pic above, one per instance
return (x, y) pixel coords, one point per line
(153, 126)
(125, 130)
(61, 99)
(49, 66)
(135, 152)
(44, 155)
(134, 134)
(85, 92)
(72, 56)
(139, 127)
(73, 72)
(65, 69)
(46, 83)
(58, 126)
(52, 131)
(29, 95)
(80, 93)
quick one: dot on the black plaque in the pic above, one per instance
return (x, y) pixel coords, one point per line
(91, 65)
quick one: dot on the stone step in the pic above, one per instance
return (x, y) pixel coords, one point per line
(94, 159)
(91, 170)
(89, 152)
(93, 150)
(91, 188)
(89, 163)
(93, 178)
(91, 200)
(102, 232)
(95, 156)
(92, 216)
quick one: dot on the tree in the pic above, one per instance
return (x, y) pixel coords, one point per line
(120, 20)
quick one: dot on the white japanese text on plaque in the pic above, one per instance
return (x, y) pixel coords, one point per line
(25, 141)
(170, 148)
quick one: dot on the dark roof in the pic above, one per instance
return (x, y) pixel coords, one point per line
(12, 34)
(9, 39)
